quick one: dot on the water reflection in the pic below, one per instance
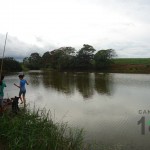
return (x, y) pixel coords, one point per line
(67, 82)
(84, 84)
(109, 116)
(103, 83)
(35, 78)
(62, 82)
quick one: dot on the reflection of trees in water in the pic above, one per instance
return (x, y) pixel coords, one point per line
(60, 81)
(103, 83)
(84, 84)
(35, 78)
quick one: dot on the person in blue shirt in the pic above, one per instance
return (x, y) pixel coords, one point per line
(2, 86)
(22, 87)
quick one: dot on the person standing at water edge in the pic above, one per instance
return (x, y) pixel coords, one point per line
(22, 87)
(2, 85)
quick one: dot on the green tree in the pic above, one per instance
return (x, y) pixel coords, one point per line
(85, 57)
(67, 59)
(10, 64)
(103, 58)
(26, 62)
(69, 51)
(46, 62)
(62, 58)
(34, 61)
(55, 58)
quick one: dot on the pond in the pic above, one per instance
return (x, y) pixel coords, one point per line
(113, 109)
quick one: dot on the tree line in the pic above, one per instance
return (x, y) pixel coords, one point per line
(10, 64)
(65, 58)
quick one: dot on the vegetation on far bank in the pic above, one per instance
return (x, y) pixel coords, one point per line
(10, 65)
(36, 130)
(67, 58)
(85, 59)
(130, 65)
(132, 61)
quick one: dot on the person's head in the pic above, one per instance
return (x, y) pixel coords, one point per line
(21, 76)
(2, 78)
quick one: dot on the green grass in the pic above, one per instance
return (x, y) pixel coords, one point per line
(36, 130)
(136, 61)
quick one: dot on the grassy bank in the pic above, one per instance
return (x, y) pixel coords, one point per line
(36, 130)
(122, 65)
(132, 61)
(130, 65)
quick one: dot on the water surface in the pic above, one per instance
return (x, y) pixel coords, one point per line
(106, 105)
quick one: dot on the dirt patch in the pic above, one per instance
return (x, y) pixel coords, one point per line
(130, 68)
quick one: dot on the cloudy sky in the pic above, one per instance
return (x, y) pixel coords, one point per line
(43, 25)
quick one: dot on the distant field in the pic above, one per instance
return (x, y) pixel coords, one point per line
(136, 61)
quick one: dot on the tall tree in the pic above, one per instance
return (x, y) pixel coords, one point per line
(34, 61)
(103, 58)
(10, 64)
(46, 62)
(62, 58)
(85, 57)
(26, 62)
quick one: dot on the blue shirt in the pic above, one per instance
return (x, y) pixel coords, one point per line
(22, 85)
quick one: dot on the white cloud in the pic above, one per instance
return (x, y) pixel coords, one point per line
(18, 49)
(101, 23)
